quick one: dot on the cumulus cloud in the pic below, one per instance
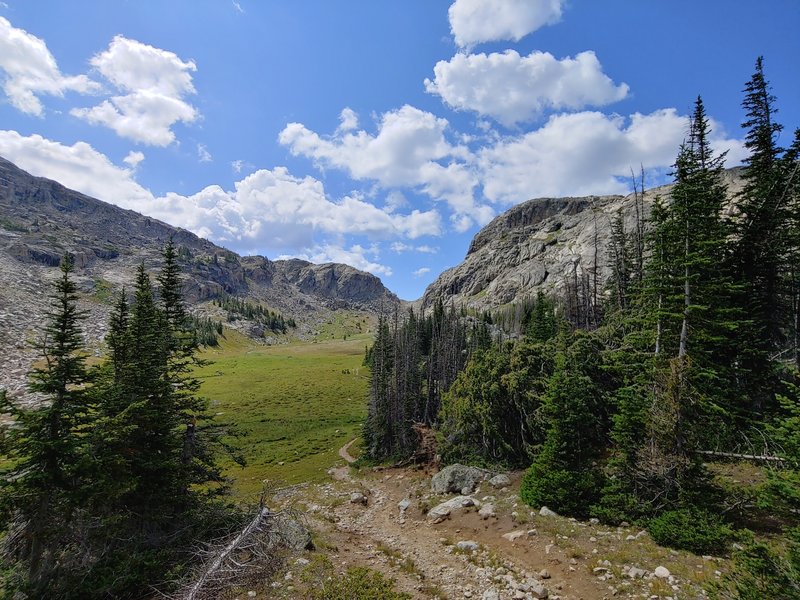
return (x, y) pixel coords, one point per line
(79, 167)
(585, 153)
(410, 149)
(30, 71)
(133, 158)
(153, 85)
(476, 21)
(512, 88)
(355, 256)
(268, 209)
(421, 271)
(348, 120)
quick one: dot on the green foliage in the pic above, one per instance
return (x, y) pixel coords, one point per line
(237, 308)
(565, 474)
(358, 583)
(692, 529)
(115, 478)
(761, 571)
(413, 363)
(482, 419)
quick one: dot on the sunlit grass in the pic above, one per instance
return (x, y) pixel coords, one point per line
(296, 403)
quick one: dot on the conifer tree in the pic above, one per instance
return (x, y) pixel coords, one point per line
(45, 446)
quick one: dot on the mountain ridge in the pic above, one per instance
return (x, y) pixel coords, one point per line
(40, 220)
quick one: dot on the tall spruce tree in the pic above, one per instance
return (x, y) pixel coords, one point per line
(45, 446)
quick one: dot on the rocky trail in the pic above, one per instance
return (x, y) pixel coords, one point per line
(484, 544)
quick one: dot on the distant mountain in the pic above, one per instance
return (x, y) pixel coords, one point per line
(538, 246)
(41, 219)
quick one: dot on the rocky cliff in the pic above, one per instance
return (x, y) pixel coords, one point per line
(41, 219)
(539, 244)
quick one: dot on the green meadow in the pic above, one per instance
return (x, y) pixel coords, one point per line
(295, 404)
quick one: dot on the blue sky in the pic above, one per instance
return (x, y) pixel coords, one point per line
(382, 134)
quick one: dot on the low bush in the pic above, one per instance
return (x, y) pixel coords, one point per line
(692, 529)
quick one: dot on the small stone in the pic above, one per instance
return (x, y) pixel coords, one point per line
(592, 539)
(302, 562)
(513, 536)
(358, 498)
(537, 590)
(404, 504)
(594, 521)
(630, 538)
(547, 548)
(531, 532)
(636, 573)
(662, 572)
(486, 511)
(544, 574)
(467, 546)
(251, 594)
(546, 512)
(490, 594)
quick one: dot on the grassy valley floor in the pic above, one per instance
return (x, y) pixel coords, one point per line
(294, 404)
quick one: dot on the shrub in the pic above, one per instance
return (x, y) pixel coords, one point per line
(567, 492)
(359, 583)
(690, 529)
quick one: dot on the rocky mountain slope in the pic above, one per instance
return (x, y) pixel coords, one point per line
(41, 219)
(540, 244)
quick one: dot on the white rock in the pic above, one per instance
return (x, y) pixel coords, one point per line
(486, 511)
(546, 512)
(662, 572)
(404, 504)
(467, 546)
(491, 594)
(513, 536)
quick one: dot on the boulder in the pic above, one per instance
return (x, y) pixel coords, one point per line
(290, 533)
(455, 479)
(546, 512)
(486, 511)
(500, 481)
(442, 511)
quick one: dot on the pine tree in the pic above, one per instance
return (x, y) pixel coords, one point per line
(46, 444)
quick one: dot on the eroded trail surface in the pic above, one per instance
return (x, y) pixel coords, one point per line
(495, 548)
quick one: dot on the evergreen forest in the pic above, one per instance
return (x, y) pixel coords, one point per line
(621, 398)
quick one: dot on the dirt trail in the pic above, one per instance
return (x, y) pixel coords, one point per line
(563, 554)
(343, 451)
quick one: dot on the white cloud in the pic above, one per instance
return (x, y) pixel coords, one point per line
(79, 167)
(267, 209)
(238, 7)
(401, 247)
(133, 158)
(353, 256)
(238, 165)
(476, 21)
(203, 155)
(30, 70)
(348, 120)
(512, 88)
(584, 153)
(421, 271)
(408, 150)
(153, 83)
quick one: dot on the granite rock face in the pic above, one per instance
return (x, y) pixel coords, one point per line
(539, 245)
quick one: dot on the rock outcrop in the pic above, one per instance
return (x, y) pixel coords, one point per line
(538, 246)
